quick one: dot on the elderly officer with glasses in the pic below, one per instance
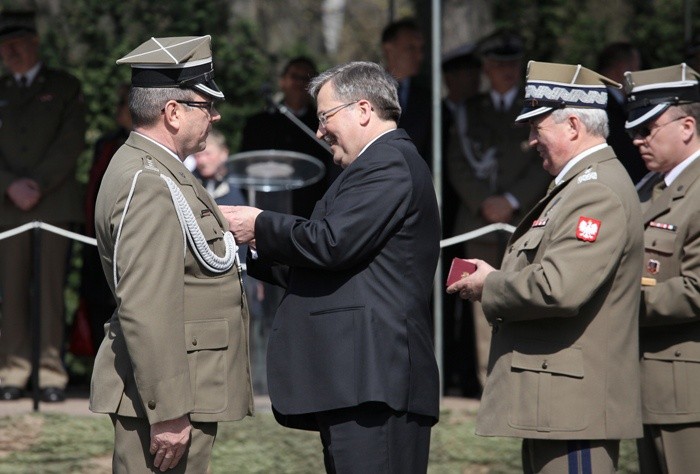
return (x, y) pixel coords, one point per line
(174, 360)
(664, 123)
(351, 354)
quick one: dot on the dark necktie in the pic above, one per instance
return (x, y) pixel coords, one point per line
(22, 82)
(503, 104)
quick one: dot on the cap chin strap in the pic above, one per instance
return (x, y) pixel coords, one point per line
(191, 233)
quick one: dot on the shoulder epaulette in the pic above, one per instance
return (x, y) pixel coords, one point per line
(149, 164)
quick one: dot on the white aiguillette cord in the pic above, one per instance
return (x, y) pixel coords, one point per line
(190, 232)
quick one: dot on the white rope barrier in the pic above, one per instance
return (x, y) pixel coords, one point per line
(91, 241)
(51, 228)
(476, 233)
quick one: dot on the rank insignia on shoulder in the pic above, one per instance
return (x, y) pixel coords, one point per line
(587, 229)
(653, 266)
(587, 175)
(540, 222)
(661, 225)
(205, 213)
(150, 165)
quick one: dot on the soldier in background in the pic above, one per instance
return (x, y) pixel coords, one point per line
(42, 133)
(492, 167)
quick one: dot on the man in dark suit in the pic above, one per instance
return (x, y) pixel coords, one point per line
(42, 133)
(613, 61)
(351, 354)
(402, 48)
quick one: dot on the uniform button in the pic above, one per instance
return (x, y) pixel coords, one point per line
(544, 364)
(152, 404)
(678, 353)
(194, 341)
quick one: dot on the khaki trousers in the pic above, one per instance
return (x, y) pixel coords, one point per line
(16, 266)
(132, 439)
(669, 449)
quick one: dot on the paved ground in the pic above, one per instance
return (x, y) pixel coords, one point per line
(77, 404)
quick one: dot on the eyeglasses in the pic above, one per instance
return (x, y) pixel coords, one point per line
(645, 131)
(324, 116)
(203, 104)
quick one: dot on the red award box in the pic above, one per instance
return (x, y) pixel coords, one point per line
(459, 269)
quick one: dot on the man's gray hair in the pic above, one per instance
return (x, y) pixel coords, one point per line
(146, 103)
(362, 80)
(595, 120)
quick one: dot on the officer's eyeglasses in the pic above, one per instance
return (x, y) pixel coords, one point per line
(647, 132)
(325, 115)
(207, 105)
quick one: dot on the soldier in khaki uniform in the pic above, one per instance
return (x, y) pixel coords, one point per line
(563, 368)
(42, 129)
(664, 122)
(174, 361)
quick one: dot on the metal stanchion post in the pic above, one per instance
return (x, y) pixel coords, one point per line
(35, 323)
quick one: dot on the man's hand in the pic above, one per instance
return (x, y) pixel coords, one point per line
(241, 221)
(472, 286)
(497, 209)
(24, 193)
(169, 441)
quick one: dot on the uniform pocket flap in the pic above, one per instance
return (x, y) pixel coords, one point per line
(531, 240)
(210, 228)
(567, 361)
(689, 353)
(206, 335)
(659, 240)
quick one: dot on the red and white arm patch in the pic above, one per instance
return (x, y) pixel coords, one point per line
(587, 229)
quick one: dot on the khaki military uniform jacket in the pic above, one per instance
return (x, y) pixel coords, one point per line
(178, 341)
(42, 133)
(564, 354)
(670, 310)
(518, 167)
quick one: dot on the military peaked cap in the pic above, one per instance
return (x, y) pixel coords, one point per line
(15, 23)
(502, 45)
(651, 92)
(183, 62)
(554, 86)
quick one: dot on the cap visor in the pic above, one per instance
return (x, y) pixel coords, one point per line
(528, 112)
(640, 115)
(209, 88)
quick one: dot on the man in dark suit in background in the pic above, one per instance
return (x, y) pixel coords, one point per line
(402, 48)
(613, 61)
(351, 353)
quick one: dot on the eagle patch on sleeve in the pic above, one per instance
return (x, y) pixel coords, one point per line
(587, 229)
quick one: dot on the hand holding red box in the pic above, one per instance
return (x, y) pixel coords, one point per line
(459, 269)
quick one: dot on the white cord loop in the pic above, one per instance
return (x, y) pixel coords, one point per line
(190, 232)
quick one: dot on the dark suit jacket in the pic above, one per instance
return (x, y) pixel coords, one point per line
(416, 119)
(354, 324)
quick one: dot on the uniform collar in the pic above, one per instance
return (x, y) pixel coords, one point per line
(572, 162)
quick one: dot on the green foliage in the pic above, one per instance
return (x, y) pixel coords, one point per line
(87, 37)
(574, 31)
